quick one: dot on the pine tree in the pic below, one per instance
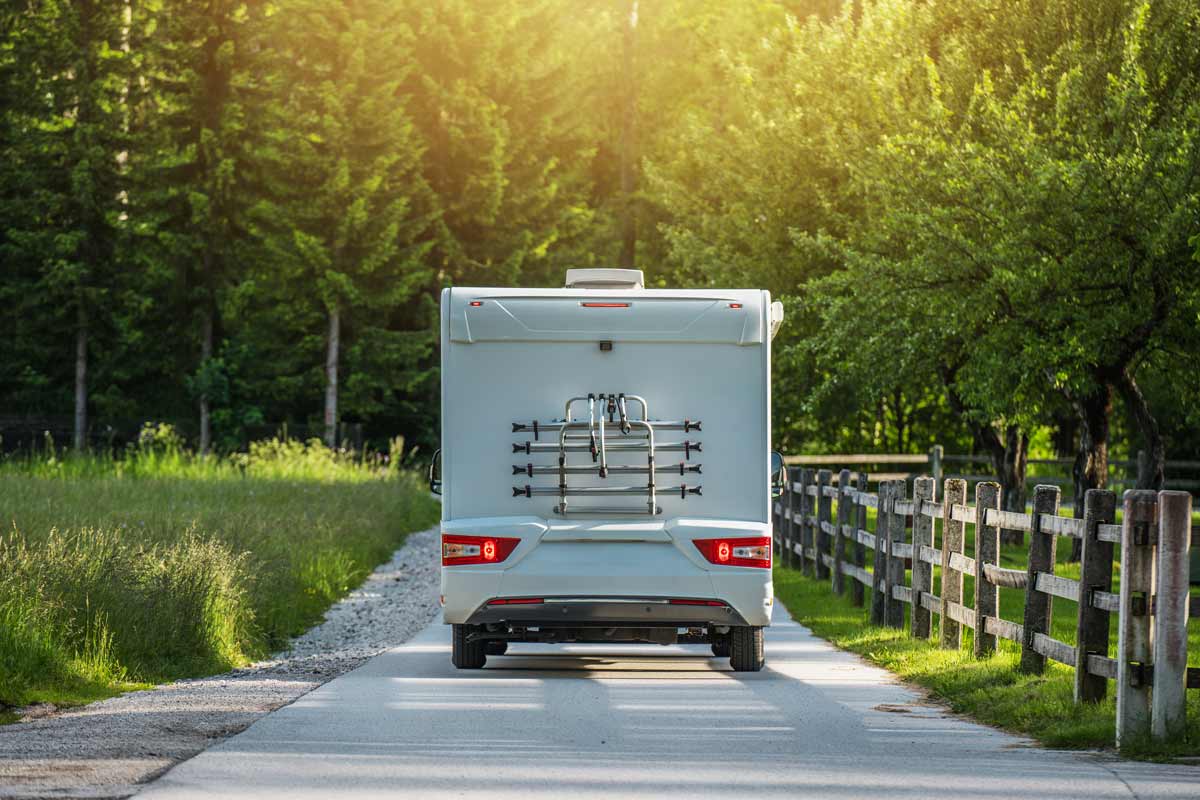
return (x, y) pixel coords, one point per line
(192, 171)
(67, 142)
(347, 204)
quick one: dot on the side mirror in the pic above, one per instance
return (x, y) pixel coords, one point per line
(435, 473)
(779, 474)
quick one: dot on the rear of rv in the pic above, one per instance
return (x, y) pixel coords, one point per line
(605, 465)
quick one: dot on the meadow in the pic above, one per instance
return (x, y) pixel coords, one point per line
(156, 564)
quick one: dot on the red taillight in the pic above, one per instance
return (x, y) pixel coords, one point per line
(683, 601)
(516, 601)
(476, 303)
(459, 550)
(605, 305)
(735, 305)
(748, 552)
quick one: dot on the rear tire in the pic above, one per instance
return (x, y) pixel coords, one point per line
(720, 647)
(496, 647)
(746, 649)
(464, 654)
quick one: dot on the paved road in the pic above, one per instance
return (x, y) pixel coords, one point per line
(639, 721)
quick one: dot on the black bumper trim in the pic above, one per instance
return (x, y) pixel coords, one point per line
(605, 612)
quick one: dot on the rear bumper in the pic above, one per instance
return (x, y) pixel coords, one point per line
(583, 612)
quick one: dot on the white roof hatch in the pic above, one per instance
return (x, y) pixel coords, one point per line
(605, 279)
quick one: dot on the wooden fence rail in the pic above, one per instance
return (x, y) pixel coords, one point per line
(1151, 609)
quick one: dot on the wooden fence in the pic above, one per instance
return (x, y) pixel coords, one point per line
(821, 527)
(1180, 474)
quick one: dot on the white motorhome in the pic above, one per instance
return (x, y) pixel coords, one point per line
(605, 466)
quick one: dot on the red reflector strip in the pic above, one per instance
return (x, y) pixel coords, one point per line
(679, 601)
(605, 305)
(735, 305)
(515, 601)
(477, 303)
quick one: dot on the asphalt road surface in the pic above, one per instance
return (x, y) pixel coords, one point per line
(640, 721)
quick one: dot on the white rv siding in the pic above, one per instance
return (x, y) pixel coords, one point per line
(522, 353)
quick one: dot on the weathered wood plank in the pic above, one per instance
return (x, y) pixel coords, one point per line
(902, 593)
(931, 602)
(963, 564)
(1011, 520)
(865, 538)
(1053, 648)
(905, 507)
(1133, 638)
(851, 459)
(902, 550)
(859, 549)
(813, 491)
(1095, 580)
(963, 513)
(1062, 526)
(824, 521)
(959, 613)
(1108, 602)
(987, 551)
(1101, 667)
(1005, 629)
(878, 599)
(827, 528)
(826, 559)
(952, 578)
(1038, 605)
(930, 555)
(868, 500)
(1109, 533)
(839, 535)
(1066, 588)
(897, 527)
(1008, 578)
(1169, 701)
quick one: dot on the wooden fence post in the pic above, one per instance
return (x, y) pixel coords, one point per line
(785, 521)
(895, 565)
(1039, 605)
(987, 551)
(955, 494)
(1095, 575)
(922, 571)
(1133, 638)
(824, 515)
(859, 522)
(1168, 719)
(805, 527)
(935, 464)
(879, 573)
(839, 537)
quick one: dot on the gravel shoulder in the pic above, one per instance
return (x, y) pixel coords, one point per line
(106, 749)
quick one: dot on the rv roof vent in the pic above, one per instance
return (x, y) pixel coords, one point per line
(605, 279)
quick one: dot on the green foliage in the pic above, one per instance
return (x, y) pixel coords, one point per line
(163, 564)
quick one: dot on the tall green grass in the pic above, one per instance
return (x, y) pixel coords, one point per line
(159, 564)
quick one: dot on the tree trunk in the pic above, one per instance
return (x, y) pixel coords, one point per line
(1012, 479)
(1152, 466)
(206, 353)
(81, 393)
(628, 136)
(1091, 463)
(1009, 457)
(331, 377)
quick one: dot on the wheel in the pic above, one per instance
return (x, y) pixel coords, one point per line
(496, 647)
(720, 647)
(746, 649)
(464, 654)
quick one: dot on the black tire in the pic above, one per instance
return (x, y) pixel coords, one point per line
(464, 654)
(746, 649)
(496, 647)
(720, 647)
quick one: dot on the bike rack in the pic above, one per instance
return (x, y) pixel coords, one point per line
(609, 429)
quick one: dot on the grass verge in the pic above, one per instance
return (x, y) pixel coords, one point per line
(990, 690)
(118, 573)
